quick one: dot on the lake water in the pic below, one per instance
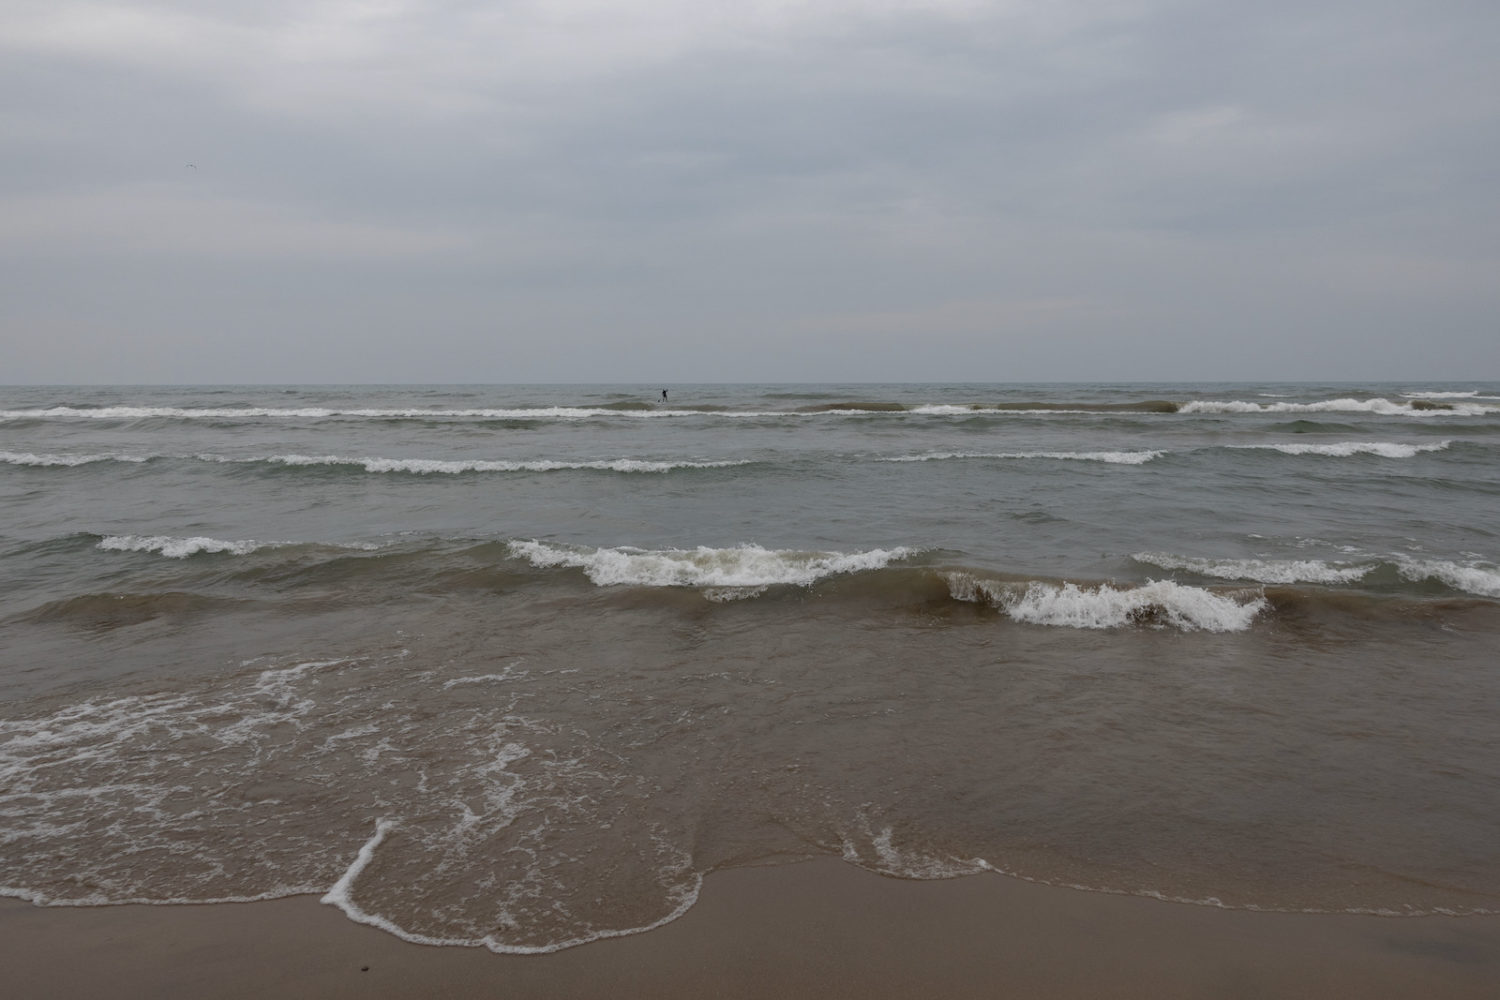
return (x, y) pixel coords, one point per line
(518, 665)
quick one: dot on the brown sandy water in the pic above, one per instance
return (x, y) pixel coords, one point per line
(536, 761)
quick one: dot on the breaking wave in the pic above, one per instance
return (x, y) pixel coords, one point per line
(1479, 578)
(1346, 449)
(180, 548)
(175, 547)
(1160, 602)
(416, 466)
(1111, 457)
(1378, 407)
(1466, 403)
(430, 466)
(68, 461)
(747, 566)
(748, 571)
(1259, 570)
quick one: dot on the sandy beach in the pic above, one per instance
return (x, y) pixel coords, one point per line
(815, 929)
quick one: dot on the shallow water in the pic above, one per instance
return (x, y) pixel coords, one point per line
(518, 665)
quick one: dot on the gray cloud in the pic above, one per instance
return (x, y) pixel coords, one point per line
(581, 190)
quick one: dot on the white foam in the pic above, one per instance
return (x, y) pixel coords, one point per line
(508, 674)
(1259, 570)
(427, 466)
(746, 566)
(149, 412)
(1482, 579)
(1112, 457)
(1379, 407)
(992, 411)
(684, 897)
(106, 782)
(723, 595)
(38, 898)
(340, 894)
(418, 466)
(1104, 606)
(29, 458)
(1346, 449)
(180, 548)
(901, 862)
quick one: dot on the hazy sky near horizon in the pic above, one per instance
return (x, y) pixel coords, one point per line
(694, 190)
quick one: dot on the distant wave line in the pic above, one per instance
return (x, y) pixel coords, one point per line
(423, 466)
(321, 413)
(455, 466)
(66, 461)
(1112, 457)
(1377, 407)
(418, 466)
(1410, 404)
(1342, 449)
(1348, 449)
(175, 547)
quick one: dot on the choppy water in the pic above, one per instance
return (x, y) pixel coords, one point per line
(517, 666)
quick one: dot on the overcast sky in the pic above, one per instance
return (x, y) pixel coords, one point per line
(695, 190)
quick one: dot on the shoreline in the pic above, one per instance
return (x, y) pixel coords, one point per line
(816, 928)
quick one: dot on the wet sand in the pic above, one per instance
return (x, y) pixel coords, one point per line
(816, 929)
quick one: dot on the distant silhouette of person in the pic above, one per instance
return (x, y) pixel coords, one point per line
(664, 395)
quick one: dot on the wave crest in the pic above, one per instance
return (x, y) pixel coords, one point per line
(1473, 578)
(1347, 449)
(180, 548)
(1160, 602)
(431, 466)
(177, 547)
(1111, 457)
(69, 461)
(1259, 570)
(1378, 406)
(745, 566)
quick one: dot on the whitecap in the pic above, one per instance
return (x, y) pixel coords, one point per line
(1258, 570)
(169, 412)
(30, 458)
(744, 566)
(1111, 457)
(1378, 407)
(948, 410)
(180, 548)
(1105, 606)
(1347, 449)
(1478, 578)
(942, 410)
(431, 466)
